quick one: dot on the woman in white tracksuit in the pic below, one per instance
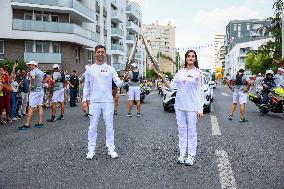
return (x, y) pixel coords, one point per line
(188, 105)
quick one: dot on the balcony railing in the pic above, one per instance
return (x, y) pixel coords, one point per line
(133, 26)
(131, 37)
(131, 9)
(54, 27)
(44, 58)
(117, 47)
(116, 31)
(63, 3)
(119, 66)
(116, 14)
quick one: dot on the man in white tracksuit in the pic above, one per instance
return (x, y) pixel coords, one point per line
(98, 89)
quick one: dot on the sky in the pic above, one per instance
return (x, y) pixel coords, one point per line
(197, 21)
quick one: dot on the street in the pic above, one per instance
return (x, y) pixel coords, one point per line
(229, 155)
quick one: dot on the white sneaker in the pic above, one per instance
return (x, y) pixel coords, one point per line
(181, 159)
(90, 155)
(14, 119)
(112, 154)
(189, 160)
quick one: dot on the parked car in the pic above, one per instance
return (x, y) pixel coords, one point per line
(169, 98)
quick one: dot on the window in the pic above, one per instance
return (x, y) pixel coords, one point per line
(77, 55)
(55, 47)
(257, 26)
(248, 26)
(90, 56)
(235, 27)
(42, 47)
(28, 46)
(54, 18)
(239, 27)
(1, 50)
(28, 16)
(41, 17)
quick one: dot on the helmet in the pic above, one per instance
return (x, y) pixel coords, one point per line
(242, 68)
(55, 66)
(269, 72)
(259, 74)
(32, 62)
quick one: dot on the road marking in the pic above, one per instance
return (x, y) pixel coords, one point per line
(212, 108)
(226, 174)
(215, 126)
(225, 94)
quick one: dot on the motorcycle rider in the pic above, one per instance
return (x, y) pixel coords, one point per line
(240, 89)
(267, 84)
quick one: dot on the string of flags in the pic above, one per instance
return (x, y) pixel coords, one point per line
(183, 48)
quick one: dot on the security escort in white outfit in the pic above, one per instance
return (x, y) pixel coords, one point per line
(188, 105)
(35, 96)
(58, 80)
(98, 89)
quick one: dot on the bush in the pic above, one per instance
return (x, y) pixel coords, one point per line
(10, 62)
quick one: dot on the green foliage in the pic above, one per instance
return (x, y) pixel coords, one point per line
(9, 63)
(161, 55)
(259, 63)
(150, 74)
(274, 48)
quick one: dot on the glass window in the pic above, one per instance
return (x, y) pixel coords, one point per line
(38, 17)
(257, 26)
(77, 54)
(28, 46)
(45, 47)
(54, 18)
(90, 57)
(28, 16)
(1, 47)
(239, 27)
(39, 47)
(235, 27)
(44, 17)
(56, 47)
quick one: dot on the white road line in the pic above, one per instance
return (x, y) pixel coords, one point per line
(212, 108)
(226, 174)
(225, 94)
(215, 125)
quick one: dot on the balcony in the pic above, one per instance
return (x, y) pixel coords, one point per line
(138, 56)
(55, 30)
(116, 33)
(133, 10)
(117, 49)
(132, 27)
(43, 58)
(130, 39)
(116, 16)
(74, 7)
(119, 66)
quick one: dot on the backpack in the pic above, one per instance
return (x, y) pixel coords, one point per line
(135, 76)
(239, 80)
(62, 79)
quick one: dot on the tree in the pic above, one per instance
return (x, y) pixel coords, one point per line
(274, 48)
(10, 62)
(258, 63)
(150, 74)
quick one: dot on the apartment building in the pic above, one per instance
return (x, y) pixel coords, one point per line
(66, 32)
(161, 39)
(48, 31)
(243, 36)
(219, 51)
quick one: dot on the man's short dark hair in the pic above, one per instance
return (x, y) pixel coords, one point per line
(74, 71)
(100, 47)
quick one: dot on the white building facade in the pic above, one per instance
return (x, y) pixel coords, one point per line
(63, 32)
(236, 57)
(219, 51)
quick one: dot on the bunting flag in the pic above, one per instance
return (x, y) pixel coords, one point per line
(183, 48)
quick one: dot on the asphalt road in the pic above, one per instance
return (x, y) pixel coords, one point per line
(230, 154)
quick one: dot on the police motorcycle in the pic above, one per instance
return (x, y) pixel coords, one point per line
(275, 100)
(144, 90)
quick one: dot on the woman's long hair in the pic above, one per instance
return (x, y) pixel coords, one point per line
(196, 61)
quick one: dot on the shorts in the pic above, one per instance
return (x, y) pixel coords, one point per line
(58, 96)
(36, 99)
(240, 97)
(134, 93)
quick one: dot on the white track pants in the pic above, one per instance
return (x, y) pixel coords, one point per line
(95, 112)
(187, 131)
